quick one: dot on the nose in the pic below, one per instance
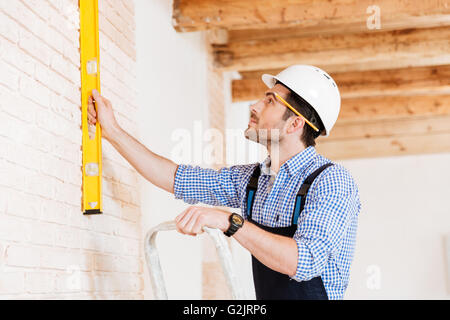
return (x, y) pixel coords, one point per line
(255, 108)
(253, 111)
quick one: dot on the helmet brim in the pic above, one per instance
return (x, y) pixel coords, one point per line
(269, 80)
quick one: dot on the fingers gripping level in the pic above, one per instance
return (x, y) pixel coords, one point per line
(90, 79)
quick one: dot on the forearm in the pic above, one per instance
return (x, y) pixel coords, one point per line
(155, 168)
(277, 252)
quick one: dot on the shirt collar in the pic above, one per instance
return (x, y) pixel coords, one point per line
(265, 167)
(294, 164)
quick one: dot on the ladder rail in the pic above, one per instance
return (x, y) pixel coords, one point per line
(154, 264)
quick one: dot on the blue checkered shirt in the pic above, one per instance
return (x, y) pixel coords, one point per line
(326, 230)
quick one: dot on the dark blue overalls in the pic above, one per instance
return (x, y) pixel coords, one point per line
(273, 285)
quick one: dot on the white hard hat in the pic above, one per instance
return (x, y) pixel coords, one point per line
(315, 86)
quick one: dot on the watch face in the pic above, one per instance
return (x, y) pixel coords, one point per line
(237, 219)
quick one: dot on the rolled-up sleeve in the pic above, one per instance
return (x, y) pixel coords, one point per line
(213, 187)
(328, 213)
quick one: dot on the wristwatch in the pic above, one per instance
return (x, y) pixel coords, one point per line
(236, 222)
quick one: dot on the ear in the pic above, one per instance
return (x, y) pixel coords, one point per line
(295, 124)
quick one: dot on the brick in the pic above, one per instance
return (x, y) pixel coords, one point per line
(72, 173)
(76, 218)
(39, 7)
(15, 105)
(131, 213)
(23, 256)
(24, 205)
(61, 106)
(92, 241)
(35, 47)
(13, 176)
(43, 233)
(110, 205)
(129, 5)
(14, 229)
(11, 282)
(68, 193)
(50, 165)
(8, 126)
(65, 150)
(105, 224)
(62, 259)
(5, 192)
(116, 282)
(113, 244)
(39, 282)
(67, 22)
(65, 68)
(8, 76)
(17, 58)
(31, 16)
(54, 211)
(43, 140)
(55, 124)
(129, 229)
(8, 28)
(21, 154)
(125, 14)
(73, 280)
(132, 247)
(125, 264)
(55, 40)
(57, 4)
(38, 184)
(104, 262)
(2, 254)
(72, 53)
(67, 237)
(49, 79)
(34, 91)
(115, 19)
(114, 263)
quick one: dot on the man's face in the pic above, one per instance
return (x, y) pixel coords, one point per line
(266, 117)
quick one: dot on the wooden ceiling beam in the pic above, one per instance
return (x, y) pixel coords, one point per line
(385, 146)
(414, 125)
(311, 16)
(339, 53)
(394, 107)
(406, 82)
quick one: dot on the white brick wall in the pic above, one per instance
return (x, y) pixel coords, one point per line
(48, 249)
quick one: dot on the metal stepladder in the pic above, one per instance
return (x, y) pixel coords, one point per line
(154, 265)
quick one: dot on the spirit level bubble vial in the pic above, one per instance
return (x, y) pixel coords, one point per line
(90, 79)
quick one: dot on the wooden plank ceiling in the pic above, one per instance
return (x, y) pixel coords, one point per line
(394, 81)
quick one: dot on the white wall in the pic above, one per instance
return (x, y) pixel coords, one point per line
(171, 71)
(405, 217)
(400, 252)
(242, 151)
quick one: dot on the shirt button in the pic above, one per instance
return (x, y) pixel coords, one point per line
(278, 217)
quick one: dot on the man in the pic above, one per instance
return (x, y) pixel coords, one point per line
(299, 210)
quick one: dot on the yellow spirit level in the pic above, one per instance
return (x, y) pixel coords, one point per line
(90, 79)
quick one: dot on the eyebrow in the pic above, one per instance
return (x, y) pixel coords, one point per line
(270, 93)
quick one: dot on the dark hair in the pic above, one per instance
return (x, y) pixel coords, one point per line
(309, 135)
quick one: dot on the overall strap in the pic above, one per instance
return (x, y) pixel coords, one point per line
(301, 195)
(251, 190)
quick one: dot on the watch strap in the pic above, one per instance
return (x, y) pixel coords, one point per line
(233, 226)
